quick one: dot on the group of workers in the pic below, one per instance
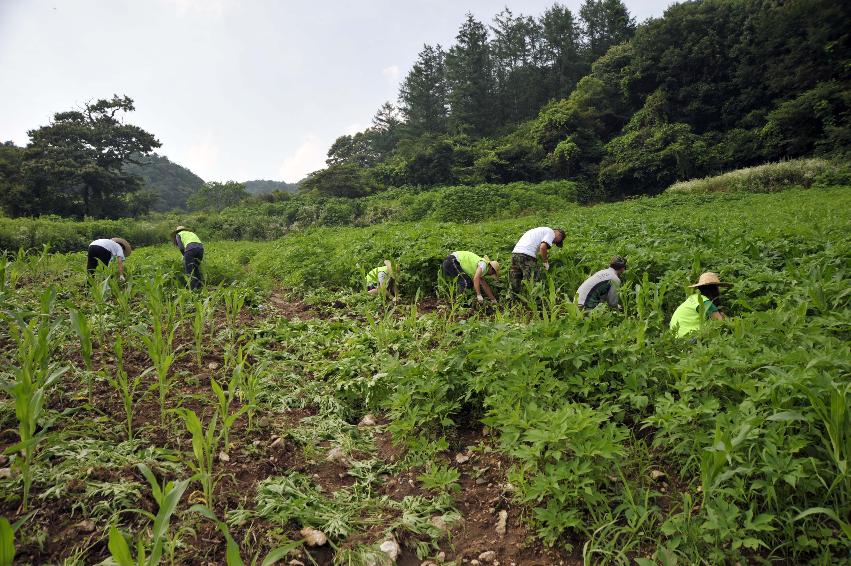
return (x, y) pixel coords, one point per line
(104, 251)
(468, 270)
(531, 253)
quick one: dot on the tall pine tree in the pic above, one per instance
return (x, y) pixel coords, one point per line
(469, 73)
(423, 94)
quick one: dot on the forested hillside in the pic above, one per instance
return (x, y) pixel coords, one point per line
(264, 187)
(710, 86)
(172, 184)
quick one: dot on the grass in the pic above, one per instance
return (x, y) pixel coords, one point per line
(747, 423)
(767, 178)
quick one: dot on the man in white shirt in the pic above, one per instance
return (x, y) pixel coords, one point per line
(536, 241)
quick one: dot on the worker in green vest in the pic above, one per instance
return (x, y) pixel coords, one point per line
(469, 270)
(700, 306)
(382, 279)
(192, 249)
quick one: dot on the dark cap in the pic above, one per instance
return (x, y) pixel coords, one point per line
(563, 234)
(618, 262)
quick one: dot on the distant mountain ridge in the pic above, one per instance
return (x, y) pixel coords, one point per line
(263, 187)
(171, 183)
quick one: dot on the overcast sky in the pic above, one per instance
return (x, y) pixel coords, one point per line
(234, 89)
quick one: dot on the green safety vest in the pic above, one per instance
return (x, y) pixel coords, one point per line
(469, 262)
(187, 237)
(690, 315)
(372, 276)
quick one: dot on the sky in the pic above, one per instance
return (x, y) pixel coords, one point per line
(233, 89)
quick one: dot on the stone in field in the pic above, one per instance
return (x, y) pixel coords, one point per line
(487, 556)
(501, 523)
(312, 537)
(367, 420)
(391, 549)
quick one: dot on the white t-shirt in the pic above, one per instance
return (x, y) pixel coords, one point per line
(114, 248)
(531, 241)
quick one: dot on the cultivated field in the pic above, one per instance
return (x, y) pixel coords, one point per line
(149, 424)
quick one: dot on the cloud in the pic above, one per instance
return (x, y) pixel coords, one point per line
(391, 74)
(202, 157)
(308, 157)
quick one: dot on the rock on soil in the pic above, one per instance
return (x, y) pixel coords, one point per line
(460, 458)
(656, 475)
(336, 455)
(277, 442)
(223, 456)
(213, 366)
(487, 556)
(391, 549)
(367, 420)
(87, 526)
(312, 537)
(501, 523)
(5, 472)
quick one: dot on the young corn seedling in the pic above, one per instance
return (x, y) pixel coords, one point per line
(167, 497)
(121, 297)
(234, 300)
(125, 386)
(34, 375)
(159, 342)
(199, 324)
(225, 399)
(251, 389)
(84, 333)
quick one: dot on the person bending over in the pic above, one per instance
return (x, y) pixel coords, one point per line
(104, 250)
(469, 271)
(192, 249)
(700, 306)
(536, 241)
(601, 286)
(382, 279)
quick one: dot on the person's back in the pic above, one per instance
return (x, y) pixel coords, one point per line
(688, 317)
(601, 286)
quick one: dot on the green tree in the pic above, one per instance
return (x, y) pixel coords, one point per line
(218, 196)
(520, 80)
(560, 51)
(604, 23)
(345, 179)
(469, 72)
(75, 165)
(423, 95)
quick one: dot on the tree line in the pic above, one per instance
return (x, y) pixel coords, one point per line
(625, 109)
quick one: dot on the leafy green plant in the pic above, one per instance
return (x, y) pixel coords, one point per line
(124, 385)
(167, 498)
(34, 374)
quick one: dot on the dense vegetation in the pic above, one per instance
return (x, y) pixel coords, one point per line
(263, 187)
(160, 418)
(172, 184)
(711, 86)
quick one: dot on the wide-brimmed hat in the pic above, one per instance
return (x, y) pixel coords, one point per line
(494, 264)
(710, 278)
(178, 229)
(125, 245)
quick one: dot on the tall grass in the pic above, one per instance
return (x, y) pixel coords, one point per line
(767, 178)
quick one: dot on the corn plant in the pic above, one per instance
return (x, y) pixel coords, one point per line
(205, 444)
(122, 296)
(199, 324)
(234, 300)
(34, 375)
(167, 497)
(251, 383)
(159, 341)
(84, 333)
(124, 386)
(225, 399)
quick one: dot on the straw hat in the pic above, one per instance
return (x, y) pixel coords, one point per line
(124, 244)
(494, 264)
(178, 229)
(710, 278)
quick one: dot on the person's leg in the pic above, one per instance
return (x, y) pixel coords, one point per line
(515, 273)
(192, 266)
(97, 255)
(197, 279)
(530, 268)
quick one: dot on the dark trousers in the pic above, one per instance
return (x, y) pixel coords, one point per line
(452, 269)
(97, 255)
(192, 257)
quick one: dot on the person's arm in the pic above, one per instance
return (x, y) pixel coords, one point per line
(120, 262)
(544, 251)
(488, 291)
(717, 315)
(179, 243)
(612, 295)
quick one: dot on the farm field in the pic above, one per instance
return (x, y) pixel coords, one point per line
(143, 423)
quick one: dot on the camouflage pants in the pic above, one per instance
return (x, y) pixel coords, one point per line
(522, 267)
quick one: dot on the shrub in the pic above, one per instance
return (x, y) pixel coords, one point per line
(767, 178)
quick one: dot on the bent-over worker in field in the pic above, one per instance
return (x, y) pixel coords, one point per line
(469, 270)
(603, 285)
(382, 279)
(104, 251)
(524, 265)
(192, 249)
(700, 306)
